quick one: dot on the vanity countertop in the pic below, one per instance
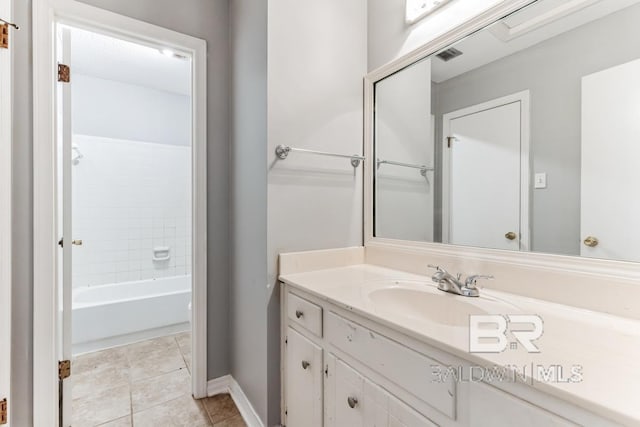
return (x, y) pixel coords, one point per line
(605, 348)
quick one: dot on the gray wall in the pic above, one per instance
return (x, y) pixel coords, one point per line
(316, 62)
(552, 71)
(22, 211)
(206, 19)
(248, 305)
(403, 133)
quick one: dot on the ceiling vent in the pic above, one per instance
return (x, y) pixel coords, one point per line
(449, 54)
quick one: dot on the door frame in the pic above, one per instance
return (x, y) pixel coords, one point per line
(525, 161)
(6, 100)
(46, 13)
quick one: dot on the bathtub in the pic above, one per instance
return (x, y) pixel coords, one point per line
(106, 311)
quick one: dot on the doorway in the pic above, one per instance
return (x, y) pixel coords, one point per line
(123, 292)
(124, 190)
(486, 174)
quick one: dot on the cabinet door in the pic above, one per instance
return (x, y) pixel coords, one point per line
(303, 388)
(354, 401)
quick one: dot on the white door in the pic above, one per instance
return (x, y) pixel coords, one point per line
(303, 386)
(610, 207)
(485, 175)
(63, 127)
(5, 219)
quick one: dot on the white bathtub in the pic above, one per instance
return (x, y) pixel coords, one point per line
(106, 311)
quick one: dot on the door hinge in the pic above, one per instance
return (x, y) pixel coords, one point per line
(64, 369)
(286, 340)
(326, 371)
(4, 36)
(64, 73)
(4, 411)
(449, 139)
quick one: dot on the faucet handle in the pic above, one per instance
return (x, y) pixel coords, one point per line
(440, 273)
(438, 268)
(471, 280)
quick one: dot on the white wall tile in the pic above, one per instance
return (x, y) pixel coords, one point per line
(129, 196)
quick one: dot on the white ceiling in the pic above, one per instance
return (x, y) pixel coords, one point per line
(110, 58)
(487, 46)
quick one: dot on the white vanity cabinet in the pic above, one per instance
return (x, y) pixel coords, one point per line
(341, 369)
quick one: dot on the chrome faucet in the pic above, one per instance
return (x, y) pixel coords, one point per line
(454, 284)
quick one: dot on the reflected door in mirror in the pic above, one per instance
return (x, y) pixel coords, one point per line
(482, 175)
(610, 207)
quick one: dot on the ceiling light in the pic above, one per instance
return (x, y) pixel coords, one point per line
(168, 52)
(418, 9)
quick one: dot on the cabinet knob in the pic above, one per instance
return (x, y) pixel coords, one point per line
(305, 364)
(511, 235)
(591, 241)
(352, 401)
(299, 314)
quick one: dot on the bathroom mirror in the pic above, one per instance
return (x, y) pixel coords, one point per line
(524, 136)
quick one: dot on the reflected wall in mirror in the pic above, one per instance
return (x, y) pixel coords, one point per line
(523, 136)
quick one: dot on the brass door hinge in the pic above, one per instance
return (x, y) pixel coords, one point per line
(64, 73)
(64, 369)
(4, 36)
(3, 411)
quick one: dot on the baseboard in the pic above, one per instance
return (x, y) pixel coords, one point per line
(219, 385)
(227, 384)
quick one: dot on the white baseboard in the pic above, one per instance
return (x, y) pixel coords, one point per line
(219, 385)
(227, 384)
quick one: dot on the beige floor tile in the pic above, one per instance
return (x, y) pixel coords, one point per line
(184, 341)
(140, 349)
(120, 422)
(181, 412)
(220, 407)
(235, 421)
(87, 363)
(152, 364)
(153, 391)
(98, 380)
(99, 408)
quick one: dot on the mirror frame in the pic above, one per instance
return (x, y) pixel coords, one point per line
(624, 270)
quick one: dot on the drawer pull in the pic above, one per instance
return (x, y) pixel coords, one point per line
(305, 364)
(299, 314)
(352, 401)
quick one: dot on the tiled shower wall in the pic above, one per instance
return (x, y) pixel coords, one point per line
(130, 197)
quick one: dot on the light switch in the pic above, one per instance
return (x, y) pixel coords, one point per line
(540, 180)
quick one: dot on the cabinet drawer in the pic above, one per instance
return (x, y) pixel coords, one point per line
(305, 313)
(405, 367)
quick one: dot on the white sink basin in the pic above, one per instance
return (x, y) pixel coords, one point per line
(429, 303)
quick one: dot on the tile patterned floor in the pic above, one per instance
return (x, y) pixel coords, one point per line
(144, 384)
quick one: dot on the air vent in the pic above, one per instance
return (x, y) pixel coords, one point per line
(449, 54)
